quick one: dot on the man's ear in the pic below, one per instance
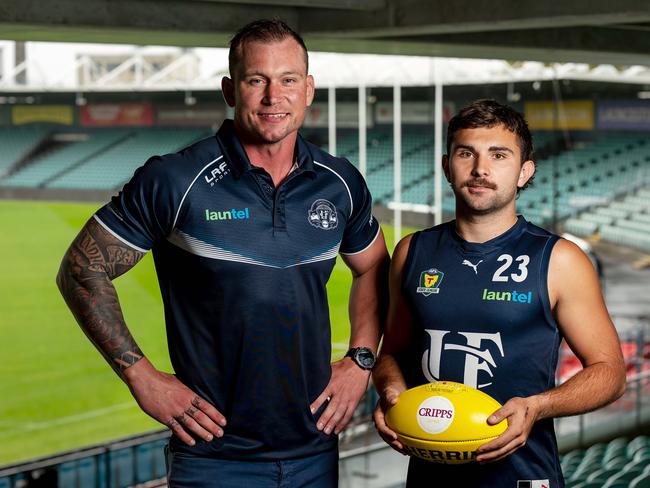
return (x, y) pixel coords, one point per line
(445, 165)
(526, 173)
(310, 89)
(228, 91)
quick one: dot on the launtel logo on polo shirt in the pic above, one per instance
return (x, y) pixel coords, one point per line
(232, 214)
(507, 296)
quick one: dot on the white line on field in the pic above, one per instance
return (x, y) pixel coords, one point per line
(29, 426)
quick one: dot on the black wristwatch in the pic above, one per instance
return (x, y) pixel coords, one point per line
(362, 356)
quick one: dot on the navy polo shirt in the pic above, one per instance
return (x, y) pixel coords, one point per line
(242, 268)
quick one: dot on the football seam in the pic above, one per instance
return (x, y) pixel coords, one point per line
(449, 442)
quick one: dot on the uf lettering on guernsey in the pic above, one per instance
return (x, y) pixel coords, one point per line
(477, 358)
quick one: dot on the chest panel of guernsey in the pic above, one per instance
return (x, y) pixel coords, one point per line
(481, 316)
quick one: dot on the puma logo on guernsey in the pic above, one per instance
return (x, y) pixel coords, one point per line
(507, 296)
(232, 214)
(473, 266)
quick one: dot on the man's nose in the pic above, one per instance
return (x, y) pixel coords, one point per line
(481, 166)
(272, 93)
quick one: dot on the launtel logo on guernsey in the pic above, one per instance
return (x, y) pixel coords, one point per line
(507, 296)
(435, 414)
(217, 173)
(232, 214)
(430, 281)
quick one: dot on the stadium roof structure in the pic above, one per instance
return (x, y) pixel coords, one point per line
(62, 67)
(567, 31)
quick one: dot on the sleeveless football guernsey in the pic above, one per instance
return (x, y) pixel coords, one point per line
(481, 316)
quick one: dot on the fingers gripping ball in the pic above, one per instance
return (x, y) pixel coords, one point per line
(444, 422)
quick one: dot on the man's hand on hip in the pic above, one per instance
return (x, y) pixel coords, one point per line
(163, 397)
(344, 390)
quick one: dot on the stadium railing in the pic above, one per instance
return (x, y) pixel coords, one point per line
(118, 464)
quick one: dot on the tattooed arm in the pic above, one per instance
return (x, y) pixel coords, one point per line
(95, 258)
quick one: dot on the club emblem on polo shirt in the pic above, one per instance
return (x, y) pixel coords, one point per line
(322, 214)
(430, 281)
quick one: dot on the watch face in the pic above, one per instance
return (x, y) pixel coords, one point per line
(365, 358)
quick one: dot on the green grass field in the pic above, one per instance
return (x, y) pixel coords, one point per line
(56, 391)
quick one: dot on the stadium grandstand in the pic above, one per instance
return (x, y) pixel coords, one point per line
(76, 120)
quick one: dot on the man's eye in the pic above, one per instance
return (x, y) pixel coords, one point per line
(255, 81)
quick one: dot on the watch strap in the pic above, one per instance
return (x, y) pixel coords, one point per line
(352, 353)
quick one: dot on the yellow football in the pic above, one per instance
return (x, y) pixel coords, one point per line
(444, 422)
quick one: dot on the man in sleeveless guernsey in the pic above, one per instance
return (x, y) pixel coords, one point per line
(245, 228)
(485, 300)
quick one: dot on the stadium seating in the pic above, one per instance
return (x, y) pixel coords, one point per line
(599, 170)
(599, 186)
(16, 143)
(111, 168)
(623, 478)
(622, 222)
(642, 481)
(616, 464)
(594, 171)
(48, 166)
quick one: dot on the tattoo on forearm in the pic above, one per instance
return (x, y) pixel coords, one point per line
(129, 358)
(92, 261)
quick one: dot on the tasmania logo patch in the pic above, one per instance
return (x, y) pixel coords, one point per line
(430, 281)
(322, 214)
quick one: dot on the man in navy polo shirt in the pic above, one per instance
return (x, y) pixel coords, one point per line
(245, 228)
